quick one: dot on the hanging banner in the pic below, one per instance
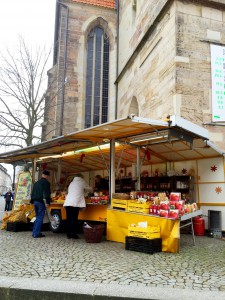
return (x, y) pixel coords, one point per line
(23, 191)
(218, 83)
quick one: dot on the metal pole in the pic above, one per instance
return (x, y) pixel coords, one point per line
(112, 168)
(34, 170)
(59, 171)
(103, 158)
(138, 169)
(14, 176)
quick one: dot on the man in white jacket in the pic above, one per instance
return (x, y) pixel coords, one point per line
(74, 201)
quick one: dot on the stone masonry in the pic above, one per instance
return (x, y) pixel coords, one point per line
(164, 63)
(81, 19)
(164, 59)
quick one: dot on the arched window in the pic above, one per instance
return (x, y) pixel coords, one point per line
(97, 78)
(134, 107)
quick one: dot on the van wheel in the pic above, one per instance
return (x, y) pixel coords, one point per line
(58, 226)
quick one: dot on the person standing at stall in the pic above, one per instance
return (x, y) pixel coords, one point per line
(8, 196)
(100, 184)
(12, 199)
(74, 201)
(41, 190)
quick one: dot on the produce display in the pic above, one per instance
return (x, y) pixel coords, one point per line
(171, 207)
(165, 205)
(24, 214)
(97, 198)
(58, 197)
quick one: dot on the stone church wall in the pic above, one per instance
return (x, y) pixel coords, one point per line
(168, 68)
(82, 18)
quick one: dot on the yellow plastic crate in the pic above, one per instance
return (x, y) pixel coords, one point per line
(119, 204)
(139, 207)
(151, 232)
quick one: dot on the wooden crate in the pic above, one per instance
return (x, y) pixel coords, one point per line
(151, 232)
(139, 207)
(119, 204)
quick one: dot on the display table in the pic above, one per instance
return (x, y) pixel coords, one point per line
(118, 221)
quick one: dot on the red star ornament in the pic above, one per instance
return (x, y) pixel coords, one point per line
(213, 168)
(218, 190)
(184, 171)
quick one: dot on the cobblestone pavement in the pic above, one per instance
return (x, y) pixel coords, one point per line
(199, 267)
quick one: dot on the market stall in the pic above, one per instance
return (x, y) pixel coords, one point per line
(133, 154)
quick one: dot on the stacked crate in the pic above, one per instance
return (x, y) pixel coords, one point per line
(139, 207)
(143, 245)
(146, 240)
(120, 204)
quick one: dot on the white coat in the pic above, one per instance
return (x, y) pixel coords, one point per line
(75, 196)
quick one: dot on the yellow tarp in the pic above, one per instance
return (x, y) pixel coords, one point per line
(90, 213)
(94, 213)
(118, 221)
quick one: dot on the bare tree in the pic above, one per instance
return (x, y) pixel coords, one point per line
(22, 95)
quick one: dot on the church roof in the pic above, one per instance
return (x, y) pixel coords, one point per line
(103, 3)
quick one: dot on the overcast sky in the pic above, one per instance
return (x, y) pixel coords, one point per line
(32, 19)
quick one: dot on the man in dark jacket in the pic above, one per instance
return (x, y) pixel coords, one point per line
(8, 197)
(41, 190)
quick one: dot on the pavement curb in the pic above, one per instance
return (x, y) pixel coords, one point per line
(29, 289)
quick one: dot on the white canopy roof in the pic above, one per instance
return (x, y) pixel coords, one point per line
(174, 139)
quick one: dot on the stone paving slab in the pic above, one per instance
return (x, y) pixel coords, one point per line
(108, 268)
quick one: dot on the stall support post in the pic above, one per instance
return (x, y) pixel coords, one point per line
(14, 176)
(34, 170)
(59, 171)
(112, 167)
(138, 169)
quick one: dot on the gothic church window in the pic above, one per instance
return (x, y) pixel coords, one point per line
(97, 78)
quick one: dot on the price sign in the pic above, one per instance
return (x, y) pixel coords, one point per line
(218, 83)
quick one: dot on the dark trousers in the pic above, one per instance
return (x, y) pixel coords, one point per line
(7, 205)
(72, 220)
(40, 213)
